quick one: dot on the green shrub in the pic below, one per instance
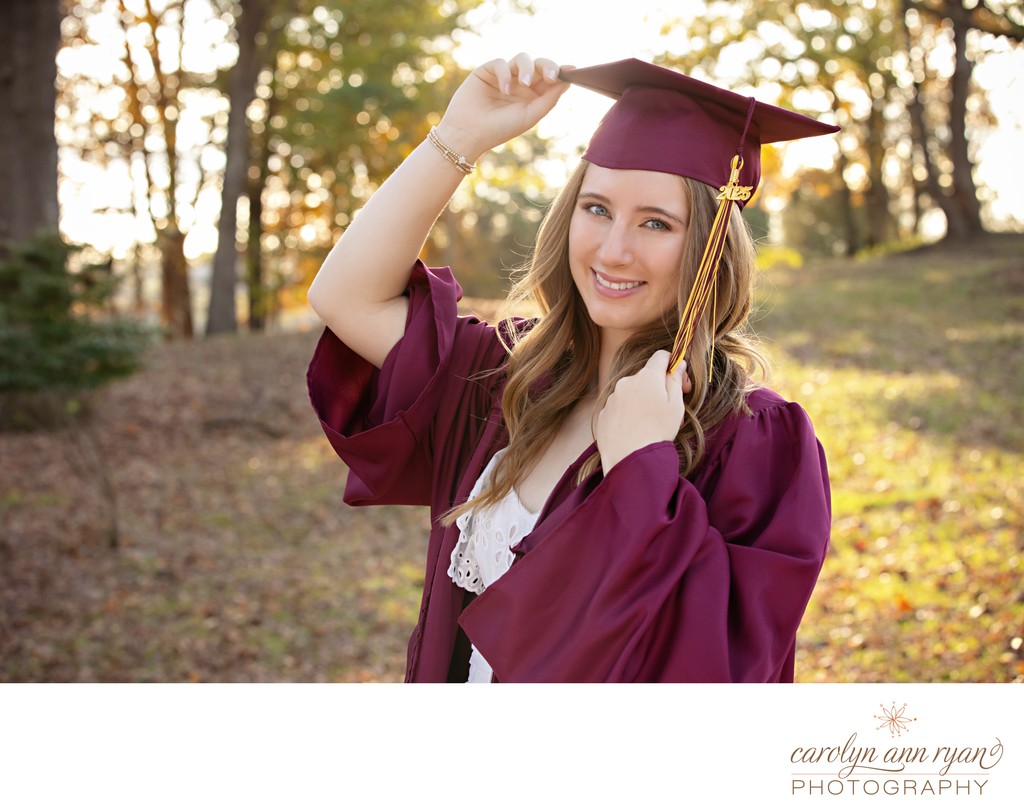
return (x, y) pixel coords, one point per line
(56, 343)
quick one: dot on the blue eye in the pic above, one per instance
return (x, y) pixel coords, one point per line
(656, 224)
(596, 209)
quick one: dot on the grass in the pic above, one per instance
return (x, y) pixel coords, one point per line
(236, 559)
(908, 366)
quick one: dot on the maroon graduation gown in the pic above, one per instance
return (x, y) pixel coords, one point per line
(641, 575)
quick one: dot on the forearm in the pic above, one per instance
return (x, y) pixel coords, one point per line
(368, 268)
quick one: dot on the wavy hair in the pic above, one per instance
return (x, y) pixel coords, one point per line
(550, 366)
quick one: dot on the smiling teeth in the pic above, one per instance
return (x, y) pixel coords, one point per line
(613, 285)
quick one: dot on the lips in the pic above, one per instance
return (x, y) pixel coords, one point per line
(609, 284)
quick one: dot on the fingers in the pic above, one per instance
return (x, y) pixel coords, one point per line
(678, 384)
(502, 71)
(680, 375)
(522, 69)
(658, 361)
(673, 381)
(547, 68)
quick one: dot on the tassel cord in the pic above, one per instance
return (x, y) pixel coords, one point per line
(704, 286)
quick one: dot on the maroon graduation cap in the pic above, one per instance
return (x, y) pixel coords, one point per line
(665, 121)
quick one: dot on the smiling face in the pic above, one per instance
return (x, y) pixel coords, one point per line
(626, 241)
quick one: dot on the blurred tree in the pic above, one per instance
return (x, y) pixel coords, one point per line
(155, 83)
(259, 32)
(815, 209)
(857, 56)
(260, 298)
(29, 36)
(136, 74)
(354, 88)
(954, 191)
(251, 18)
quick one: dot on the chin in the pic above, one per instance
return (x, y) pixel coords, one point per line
(619, 327)
(615, 318)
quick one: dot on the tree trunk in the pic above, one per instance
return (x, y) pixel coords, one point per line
(254, 256)
(879, 216)
(29, 37)
(960, 204)
(849, 220)
(965, 192)
(177, 299)
(138, 304)
(955, 226)
(259, 296)
(241, 90)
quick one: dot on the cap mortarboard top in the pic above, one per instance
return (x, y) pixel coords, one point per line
(666, 121)
(663, 120)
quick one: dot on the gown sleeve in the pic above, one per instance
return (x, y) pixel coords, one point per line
(389, 426)
(649, 579)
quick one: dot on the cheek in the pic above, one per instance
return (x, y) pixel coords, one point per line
(579, 245)
(669, 266)
(577, 234)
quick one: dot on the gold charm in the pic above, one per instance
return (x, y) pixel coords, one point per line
(731, 190)
(737, 193)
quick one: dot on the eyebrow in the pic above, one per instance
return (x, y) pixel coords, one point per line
(644, 209)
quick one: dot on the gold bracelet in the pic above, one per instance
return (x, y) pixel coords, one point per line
(453, 157)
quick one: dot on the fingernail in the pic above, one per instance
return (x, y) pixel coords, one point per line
(527, 79)
(552, 74)
(506, 88)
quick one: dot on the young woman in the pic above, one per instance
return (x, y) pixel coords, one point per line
(596, 514)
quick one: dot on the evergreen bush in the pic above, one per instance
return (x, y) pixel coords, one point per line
(57, 341)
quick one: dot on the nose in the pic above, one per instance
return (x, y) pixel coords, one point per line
(616, 248)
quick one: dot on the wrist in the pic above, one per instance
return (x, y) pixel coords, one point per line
(613, 452)
(460, 141)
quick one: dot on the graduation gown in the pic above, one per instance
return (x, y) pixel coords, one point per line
(642, 575)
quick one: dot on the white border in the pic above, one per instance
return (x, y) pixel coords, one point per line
(506, 746)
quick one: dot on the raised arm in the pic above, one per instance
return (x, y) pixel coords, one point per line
(358, 291)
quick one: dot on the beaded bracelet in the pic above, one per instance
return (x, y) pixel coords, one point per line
(453, 157)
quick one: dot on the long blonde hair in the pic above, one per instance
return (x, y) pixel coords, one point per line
(551, 366)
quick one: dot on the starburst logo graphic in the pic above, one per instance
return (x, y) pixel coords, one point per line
(895, 719)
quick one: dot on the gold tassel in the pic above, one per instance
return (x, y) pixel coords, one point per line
(705, 285)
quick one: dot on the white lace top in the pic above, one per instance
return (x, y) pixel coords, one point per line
(483, 553)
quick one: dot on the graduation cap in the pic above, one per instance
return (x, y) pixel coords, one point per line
(663, 120)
